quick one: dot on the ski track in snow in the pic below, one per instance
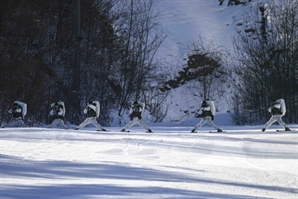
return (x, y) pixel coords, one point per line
(169, 163)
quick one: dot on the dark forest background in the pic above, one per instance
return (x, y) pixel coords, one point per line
(43, 59)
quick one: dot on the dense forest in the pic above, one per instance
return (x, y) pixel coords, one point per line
(50, 51)
(104, 50)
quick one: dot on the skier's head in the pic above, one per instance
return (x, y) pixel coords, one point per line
(273, 101)
(15, 105)
(91, 103)
(56, 105)
(204, 103)
(135, 103)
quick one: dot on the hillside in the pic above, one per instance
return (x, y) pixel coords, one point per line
(185, 21)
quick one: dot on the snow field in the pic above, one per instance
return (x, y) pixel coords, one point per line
(169, 163)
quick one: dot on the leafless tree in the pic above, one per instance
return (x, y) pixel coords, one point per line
(206, 72)
(141, 35)
(266, 50)
(210, 65)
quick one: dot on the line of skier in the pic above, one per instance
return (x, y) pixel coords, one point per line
(92, 112)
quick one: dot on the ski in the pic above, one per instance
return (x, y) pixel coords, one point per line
(103, 130)
(207, 131)
(216, 132)
(129, 131)
(283, 130)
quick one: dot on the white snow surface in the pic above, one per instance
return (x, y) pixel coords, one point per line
(241, 162)
(186, 20)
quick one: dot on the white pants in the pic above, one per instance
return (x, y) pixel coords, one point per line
(90, 120)
(15, 122)
(57, 122)
(134, 121)
(275, 118)
(204, 121)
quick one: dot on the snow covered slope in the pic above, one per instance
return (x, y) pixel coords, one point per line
(169, 163)
(186, 21)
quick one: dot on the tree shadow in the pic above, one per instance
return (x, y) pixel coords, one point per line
(75, 183)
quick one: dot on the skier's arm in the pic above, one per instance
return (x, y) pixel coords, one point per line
(92, 107)
(207, 108)
(18, 110)
(200, 111)
(140, 112)
(85, 110)
(130, 111)
(52, 112)
(60, 111)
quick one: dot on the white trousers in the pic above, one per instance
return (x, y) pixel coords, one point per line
(204, 121)
(134, 121)
(90, 120)
(275, 118)
(58, 122)
(15, 122)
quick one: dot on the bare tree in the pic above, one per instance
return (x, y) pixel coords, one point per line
(267, 53)
(117, 44)
(99, 52)
(141, 35)
(205, 73)
(212, 69)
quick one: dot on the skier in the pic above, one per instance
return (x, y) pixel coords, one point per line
(135, 114)
(207, 112)
(58, 112)
(277, 110)
(92, 112)
(18, 112)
